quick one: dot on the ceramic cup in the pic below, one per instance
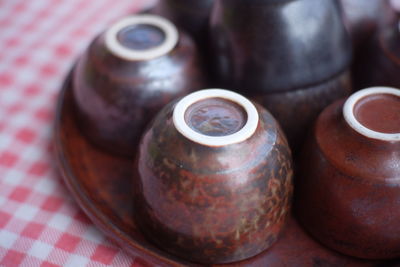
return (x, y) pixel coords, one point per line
(291, 56)
(127, 74)
(348, 190)
(215, 178)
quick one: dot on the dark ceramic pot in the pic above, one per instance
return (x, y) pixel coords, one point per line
(362, 18)
(215, 178)
(191, 15)
(297, 51)
(380, 64)
(348, 190)
(128, 74)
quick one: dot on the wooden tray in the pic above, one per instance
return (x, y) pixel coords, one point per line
(101, 185)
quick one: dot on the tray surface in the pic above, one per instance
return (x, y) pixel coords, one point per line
(101, 185)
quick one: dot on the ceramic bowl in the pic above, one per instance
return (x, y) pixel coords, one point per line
(348, 190)
(127, 74)
(215, 178)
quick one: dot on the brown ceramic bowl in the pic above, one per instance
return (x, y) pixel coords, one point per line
(348, 190)
(128, 74)
(215, 180)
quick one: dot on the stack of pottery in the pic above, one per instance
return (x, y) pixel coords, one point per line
(213, 169)
(292, 57)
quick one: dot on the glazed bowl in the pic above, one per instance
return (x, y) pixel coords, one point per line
(215, 178)
(348, 190)
(127, 74)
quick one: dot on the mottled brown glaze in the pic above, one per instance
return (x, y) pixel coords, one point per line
(380, 63)
(348, 189)
(282, 51)
(363, 18)
(213, 204)
(191, 15)
(116, 97)
(101, 184)
(297, 110)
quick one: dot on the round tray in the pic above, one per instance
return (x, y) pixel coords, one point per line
(101, 185)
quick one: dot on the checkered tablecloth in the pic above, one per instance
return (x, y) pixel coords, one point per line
(40, 224)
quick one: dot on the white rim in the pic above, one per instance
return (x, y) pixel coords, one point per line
(244, 133)
(348, 112)
(113, 45)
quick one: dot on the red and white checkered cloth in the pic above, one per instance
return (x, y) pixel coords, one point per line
(40, 224)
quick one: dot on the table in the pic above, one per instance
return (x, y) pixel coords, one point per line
(40, 223)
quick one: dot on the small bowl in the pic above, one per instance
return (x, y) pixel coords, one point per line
(348, 190)
(127, 74)
(215, 178)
